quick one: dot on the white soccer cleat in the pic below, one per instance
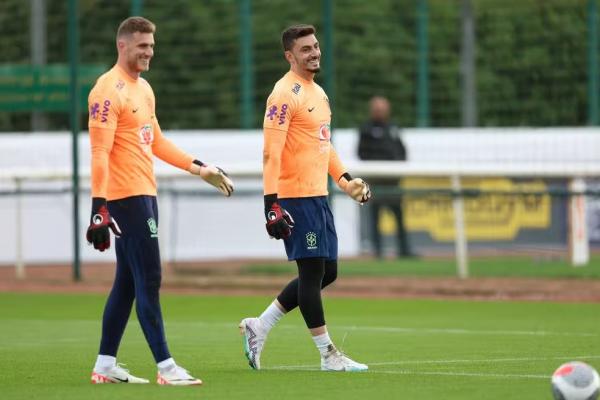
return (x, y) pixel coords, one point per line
(335, 360)
(254, 340)
(176, 376)
(115, 374)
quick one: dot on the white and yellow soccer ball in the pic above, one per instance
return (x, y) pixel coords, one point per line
(575, 380)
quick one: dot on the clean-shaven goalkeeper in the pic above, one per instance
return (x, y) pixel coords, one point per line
(125, 136)
(297, 158)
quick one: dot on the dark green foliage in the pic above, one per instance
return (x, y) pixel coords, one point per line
(531, 57)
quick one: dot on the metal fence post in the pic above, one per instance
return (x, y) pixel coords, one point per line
(73, 39)
(136, 7)
(422, 65)
(592, 62)
(467, 66)
(246, 65)
(460, 234)
(19, 262)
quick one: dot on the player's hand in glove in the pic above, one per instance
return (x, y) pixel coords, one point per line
(97, 233)
(279, 222)
(356, 188)
(213, 175)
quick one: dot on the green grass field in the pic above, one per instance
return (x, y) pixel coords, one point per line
(416, 349)
(521, 266)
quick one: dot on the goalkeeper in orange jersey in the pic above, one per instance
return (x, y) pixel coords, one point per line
(297, 158)
(125, 136)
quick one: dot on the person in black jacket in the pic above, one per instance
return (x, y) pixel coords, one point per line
(380, 140)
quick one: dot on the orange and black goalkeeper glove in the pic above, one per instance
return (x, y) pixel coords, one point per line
(100, 221)
(279, 222)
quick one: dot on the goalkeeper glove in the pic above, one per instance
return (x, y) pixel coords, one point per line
(279, 222)
(100, 221)
(213, 175)
(356, 188)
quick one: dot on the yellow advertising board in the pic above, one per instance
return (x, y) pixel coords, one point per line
(488, 217)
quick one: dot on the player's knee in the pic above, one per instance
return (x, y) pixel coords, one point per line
(152, 283)
(330, 273)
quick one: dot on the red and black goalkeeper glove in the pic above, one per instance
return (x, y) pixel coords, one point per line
(279, 222)
(97, 233)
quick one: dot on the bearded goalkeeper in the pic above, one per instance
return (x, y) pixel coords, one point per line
(298, 156)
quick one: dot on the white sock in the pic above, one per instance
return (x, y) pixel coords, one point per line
(323, 343)
(104, 362)
(270, 316)
(166, 364)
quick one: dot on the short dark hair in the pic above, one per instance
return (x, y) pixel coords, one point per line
(135, 24)
(294, 32)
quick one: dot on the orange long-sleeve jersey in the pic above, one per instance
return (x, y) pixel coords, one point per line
(297, 153)
(124, 135)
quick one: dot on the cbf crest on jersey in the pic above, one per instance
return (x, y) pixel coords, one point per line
(325, 132)
(146, 134)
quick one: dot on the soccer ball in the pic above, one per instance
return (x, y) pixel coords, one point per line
(575, 380)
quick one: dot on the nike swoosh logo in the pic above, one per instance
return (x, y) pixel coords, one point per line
(310, 109)
(135, 110)
(121, 380)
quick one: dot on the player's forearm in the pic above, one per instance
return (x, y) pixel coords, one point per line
(271, 168)
(169, 153)
(273, 147)
(336, 167)
(101, 142)
(99, 168)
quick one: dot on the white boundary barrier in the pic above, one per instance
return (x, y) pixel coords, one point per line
(576, 173)
(567, 153)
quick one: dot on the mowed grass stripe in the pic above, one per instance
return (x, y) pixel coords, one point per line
(455, 350)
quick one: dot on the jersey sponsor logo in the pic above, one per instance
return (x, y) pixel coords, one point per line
(311, 241)
(105, 110)
(282, 114)
(152, 227)
(325, 132)
(271, 112)
(146, 134)
(296, 88)
(94, 110)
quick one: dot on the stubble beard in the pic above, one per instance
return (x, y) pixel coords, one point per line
(136, 64)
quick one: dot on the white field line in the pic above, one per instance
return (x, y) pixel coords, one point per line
(485, 360)
(312, 367)
(434, 373)
(467, 374)
(459, 331)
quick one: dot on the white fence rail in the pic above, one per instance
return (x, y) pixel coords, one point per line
(212, 227)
